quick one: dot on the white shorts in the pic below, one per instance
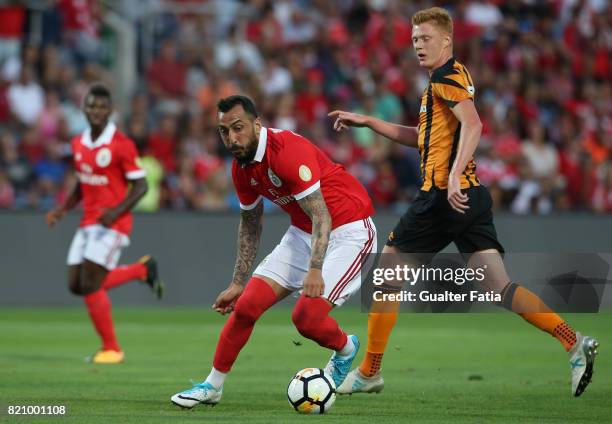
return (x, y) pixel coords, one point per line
(98, 244)
(348, 246)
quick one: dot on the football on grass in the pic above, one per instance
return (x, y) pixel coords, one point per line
(311, 391)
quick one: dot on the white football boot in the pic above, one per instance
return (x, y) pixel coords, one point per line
(203, 393)
(356, 382)
(582, 357)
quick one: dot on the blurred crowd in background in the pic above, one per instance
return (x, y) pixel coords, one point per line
(541, 69)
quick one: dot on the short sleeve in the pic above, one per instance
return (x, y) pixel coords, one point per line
(297, 166)
(452, 88)
(130, 163)
(247, 197)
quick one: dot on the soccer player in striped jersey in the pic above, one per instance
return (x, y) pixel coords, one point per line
(452, 205)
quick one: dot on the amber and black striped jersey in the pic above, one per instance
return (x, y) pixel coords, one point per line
(439, 128)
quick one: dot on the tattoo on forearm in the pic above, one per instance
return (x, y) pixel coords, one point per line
(314, 206)
(249, 234)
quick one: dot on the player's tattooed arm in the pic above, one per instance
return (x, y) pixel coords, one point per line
(314, 206)
(249, 235)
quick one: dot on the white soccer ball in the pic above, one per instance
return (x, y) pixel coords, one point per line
(311, 391)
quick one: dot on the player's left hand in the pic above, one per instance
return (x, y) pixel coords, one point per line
(457, 200)
(313, 283)
(108, 217)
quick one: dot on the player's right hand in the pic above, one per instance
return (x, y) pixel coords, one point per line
(347, 119)
(227, 298)
(53, 216)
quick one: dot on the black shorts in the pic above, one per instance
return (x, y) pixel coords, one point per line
(430, 224)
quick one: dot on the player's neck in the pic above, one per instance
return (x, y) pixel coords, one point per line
(444, 57)
(97, 131)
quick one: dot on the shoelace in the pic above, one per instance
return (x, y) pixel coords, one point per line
(196, 386)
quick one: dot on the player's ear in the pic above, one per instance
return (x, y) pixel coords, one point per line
(446, 40)
(257, 124)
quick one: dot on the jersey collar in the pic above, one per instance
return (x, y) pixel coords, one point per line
(104, 138)
(261, 146)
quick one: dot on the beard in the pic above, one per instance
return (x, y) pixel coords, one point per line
(246, 155)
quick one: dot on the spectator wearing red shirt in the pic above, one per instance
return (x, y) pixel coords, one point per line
(311, 105)
(167, 74)
(163, 143)
(81, 27)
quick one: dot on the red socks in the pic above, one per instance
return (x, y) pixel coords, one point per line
(310, 316)
(312, 320)
(124, 274)
(257, 297)
(99, 307)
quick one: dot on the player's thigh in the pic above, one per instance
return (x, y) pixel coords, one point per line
(288, 263)
(347, 252)
(92, 277)
(490, 261)
(479, 231)
(104, 246)
(391, 258)
(421, 229)
(74, 278)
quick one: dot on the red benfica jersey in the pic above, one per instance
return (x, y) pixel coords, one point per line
(104, 168)
(288, 167)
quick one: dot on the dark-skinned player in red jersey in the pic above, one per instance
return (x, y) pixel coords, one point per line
(321, 253)
(106, 163)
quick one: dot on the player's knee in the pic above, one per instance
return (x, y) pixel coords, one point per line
(90, 281)
(304, 320)
(75, 287)
(247, 309)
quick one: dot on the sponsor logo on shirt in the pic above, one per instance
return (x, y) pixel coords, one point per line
(274, 178)
(280, 200)
(93, 179)
(284, 200)
(103, 157)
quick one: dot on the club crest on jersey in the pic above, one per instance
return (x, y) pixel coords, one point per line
(305, 173)
(103, 157)
(470, 89)
(253, 182)
(423, 109)
(274, 178)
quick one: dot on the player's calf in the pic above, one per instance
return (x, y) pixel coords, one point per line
(254, 301)
(311, 318)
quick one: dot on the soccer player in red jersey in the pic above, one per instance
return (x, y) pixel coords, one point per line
(321, 253)
(106, 163)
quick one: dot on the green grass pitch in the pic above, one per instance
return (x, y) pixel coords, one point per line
(438, 368)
